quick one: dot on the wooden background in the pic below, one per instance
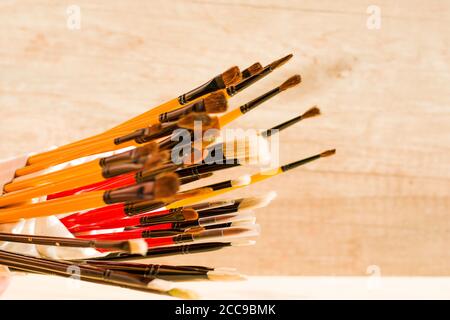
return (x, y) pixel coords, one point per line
(382, 203)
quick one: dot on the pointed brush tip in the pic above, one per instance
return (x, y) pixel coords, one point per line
(183, 294)
(313, 112)
(278, 63)
(328, 153)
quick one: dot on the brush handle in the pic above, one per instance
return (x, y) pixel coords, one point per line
(19, 184)
(111, 222)
(116, 182)
(30, 193)
(58, 206)
(130, 234)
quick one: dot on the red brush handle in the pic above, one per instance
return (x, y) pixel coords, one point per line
(125, 235)
(156, 242)
(119, 181)
(115, 211)
(112, 223)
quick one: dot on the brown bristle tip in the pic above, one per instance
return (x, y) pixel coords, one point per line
(255, 68)
(188, 122)
(166, 185)
(216, 103)
(231, 76)
(150, 147)
(190, 214)
(193, 193)
(291, 82)
(164, 156)
(278, 63)
(314, 111)
(328, 153)
(206, 175)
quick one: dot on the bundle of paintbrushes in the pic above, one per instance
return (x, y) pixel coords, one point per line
(124, 194)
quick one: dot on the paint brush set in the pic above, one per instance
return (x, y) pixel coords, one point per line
(127, 193)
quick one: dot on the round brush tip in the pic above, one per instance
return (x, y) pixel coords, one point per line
(291, 82)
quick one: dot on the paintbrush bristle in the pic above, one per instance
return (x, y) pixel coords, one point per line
(251, 150)
(291, 82)
(257, 202)
(193, 120)
(183, 294)
(216, 103)
(254, 68)
(190, 214)
(153, 161)
(166, 185)
(278, 63)
(231, 76)
(220, 274)
(328, 153)
(138, 246)
(243, 242)
(241, 181)
(313, 112)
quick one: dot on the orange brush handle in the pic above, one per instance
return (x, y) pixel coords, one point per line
(30, 193)
(101, 147)
(145, 119)
(53, 177)
(63, 205)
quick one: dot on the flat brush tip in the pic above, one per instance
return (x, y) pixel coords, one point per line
(255, 68)
(278, 63)
(328, 153)
(291, 82)
(138, 246)
(216, 103)
(257, 202)
(231, 76)
(190, 214)
(313, 112)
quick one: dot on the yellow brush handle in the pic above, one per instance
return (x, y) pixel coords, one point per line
(144, 119)
(86, 143)
(68, 184)
(74, 203)
(165, 107)
(123, 127)
(254, 179)
(229, 116)
(53, 177)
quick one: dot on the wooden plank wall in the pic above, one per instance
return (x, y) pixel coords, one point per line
(383, 200)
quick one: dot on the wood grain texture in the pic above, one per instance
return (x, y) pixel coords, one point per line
(382, 200)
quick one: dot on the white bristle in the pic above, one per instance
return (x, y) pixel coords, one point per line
(243, 242)
(224, 275)
(251, 150)
(160, 285)
(138, 246)
(246, 221)
(241, 181)
(257, 202)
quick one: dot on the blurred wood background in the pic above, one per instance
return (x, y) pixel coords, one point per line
(382, 203)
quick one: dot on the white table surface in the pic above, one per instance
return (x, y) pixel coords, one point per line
(273, 287)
